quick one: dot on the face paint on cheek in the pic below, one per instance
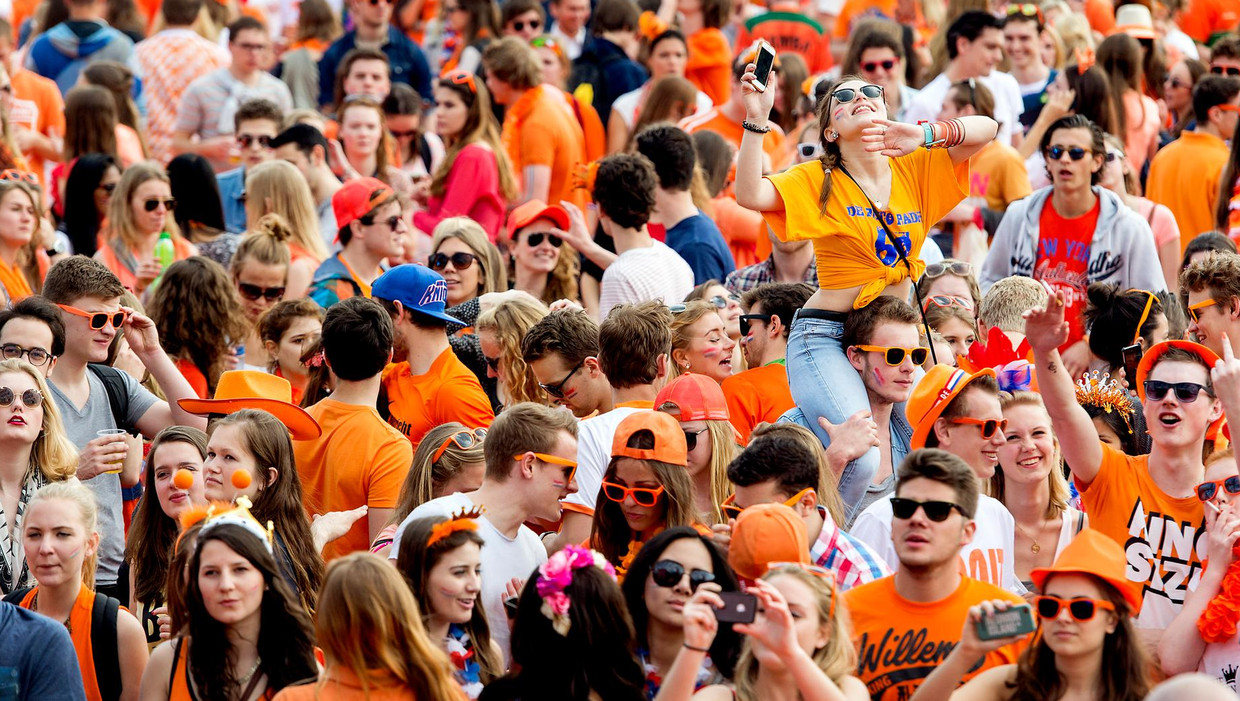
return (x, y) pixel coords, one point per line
(569, 394)
(878, 377)
(838, 113)
(73, 554)
(710, 352)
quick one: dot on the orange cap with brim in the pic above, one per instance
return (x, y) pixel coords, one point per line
(251, 389)
(670, 445)
(1097, 555)
(931, 396)
(695, 396)
(532, 211)
(766, 533)
(1154, 353)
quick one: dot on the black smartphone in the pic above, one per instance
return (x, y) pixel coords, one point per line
(738, 607)
(762, 69)
(1017, 620)
(510, 606)
(1132, 358)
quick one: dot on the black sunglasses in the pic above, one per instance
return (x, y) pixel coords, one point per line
(253, 292)
(1076, 153)
(1082, 608)
(492, 363)
(36, 356)
(936, 511)
(1184, 391)
(535, 239)
(392, 222)
(668, 573)
(691, 439)
(153, 204)
(1208, 490)
(747, 318)
(557, 390)
(846, 95)
(871, 66)
(31, 397)
(520, 25)
(248, 140)
(1229, 70)
(460, 261)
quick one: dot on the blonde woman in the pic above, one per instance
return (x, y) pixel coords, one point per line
(21, 211)
(539, 261)
(500, 330)
(700, 341)
(697, 402)
(469, 263)
(1031, 484)
(139, 210)
(277, 187)
(34, 451)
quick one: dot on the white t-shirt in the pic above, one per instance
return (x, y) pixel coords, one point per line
(644, 274)
(988, 558)
(1008, 103)
(594, 436)
(502, 558)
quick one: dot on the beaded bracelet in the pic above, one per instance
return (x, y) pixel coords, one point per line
(749, 126)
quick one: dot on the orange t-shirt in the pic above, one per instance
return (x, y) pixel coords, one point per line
(1201, 20)
(128, 146)
(790, 30)
(998, 174)
(900, 642)
(716, 121)
(1162, 535)
(1185, 176)
(857, 10)
(38, 106)
(709, 66)
(447, 392)
(1101, 15)
(756, 395)
(194, 377)
(851, 248)
(541, 129)
(129, 279)
(334, 479)
(79, 632)
(339, 684)
(15, 285)
(743, 229)
(592, 129)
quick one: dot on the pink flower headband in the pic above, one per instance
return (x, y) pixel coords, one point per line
(556, 574)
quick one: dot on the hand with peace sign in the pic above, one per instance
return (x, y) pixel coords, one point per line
(1226, 378)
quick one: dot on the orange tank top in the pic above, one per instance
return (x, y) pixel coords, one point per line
(79, 631)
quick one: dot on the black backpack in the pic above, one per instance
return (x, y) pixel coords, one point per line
(104, 653)
(118, 394)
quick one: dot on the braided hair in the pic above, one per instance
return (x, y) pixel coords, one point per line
(831, 157)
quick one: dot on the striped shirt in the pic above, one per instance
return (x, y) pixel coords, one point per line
(169, 62)
(853, 562)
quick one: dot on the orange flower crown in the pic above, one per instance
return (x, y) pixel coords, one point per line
(584, 176)
(650, 26)
(1103, 392)
(466, 520)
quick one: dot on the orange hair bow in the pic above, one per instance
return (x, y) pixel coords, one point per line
(585, 175)
(1084, 59)
(650, 26)
(463, 521)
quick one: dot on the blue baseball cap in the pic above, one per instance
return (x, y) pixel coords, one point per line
(417, 288)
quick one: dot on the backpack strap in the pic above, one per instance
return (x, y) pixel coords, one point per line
(15, 597)
(104, 651)
(118, 394)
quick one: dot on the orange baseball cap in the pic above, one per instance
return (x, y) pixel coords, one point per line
(669, 441)
(695, 397)
(1095, 554)
(252, 389)
(359, 197)
(532, 211)
(766, 533)
(1154, 353)
(932, 395)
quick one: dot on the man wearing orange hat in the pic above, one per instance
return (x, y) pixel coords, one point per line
(905, 625)
(371, 230)
(960, 413)
(1146, 503)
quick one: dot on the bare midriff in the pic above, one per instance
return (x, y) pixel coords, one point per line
(842, 300)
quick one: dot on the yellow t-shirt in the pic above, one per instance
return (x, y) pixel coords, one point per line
(851, 248)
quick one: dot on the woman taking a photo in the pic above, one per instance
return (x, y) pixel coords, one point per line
(61, 539)
(441, 559)
(34, 451)
(287, 330)
(367, 625)
(92, 179)
(277, 187)
(868, 164)
(697, 402)
(155, 527)
(475, 178)
(260, 271)
(245, 636)
(139, 211)
(700, 341)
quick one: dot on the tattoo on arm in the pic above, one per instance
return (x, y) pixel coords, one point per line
(1052, 368)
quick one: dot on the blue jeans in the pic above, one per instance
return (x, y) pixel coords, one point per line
(825, 384)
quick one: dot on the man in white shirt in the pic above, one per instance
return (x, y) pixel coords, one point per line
(959, 413)
(570, 18)
(975, 47)
(531, 455)
(644, 269)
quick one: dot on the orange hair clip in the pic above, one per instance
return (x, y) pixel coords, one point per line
(585, 175)
(650, 26)
(463, 521)
(1084, 59)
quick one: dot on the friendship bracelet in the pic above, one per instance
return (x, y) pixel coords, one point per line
(749, 126)
(697, 649)
(944, 134)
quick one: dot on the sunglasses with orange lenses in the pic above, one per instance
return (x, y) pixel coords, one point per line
(731, 510)
(20, 176)
(1081, 608)
(989, 426)
(463, 78)
(98, 320)
(642, 496)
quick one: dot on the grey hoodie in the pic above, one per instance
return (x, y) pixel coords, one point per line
(1121, 252)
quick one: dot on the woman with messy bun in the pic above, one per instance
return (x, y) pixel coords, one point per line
(277, 187)
(260, 269)
(1117, 320)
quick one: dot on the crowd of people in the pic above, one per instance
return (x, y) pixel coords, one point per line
(583, 350)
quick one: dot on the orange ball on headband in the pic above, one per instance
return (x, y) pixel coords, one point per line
(241, 479)
(183, 479)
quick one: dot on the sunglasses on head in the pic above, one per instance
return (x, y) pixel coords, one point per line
(1193, 309)
(535, 239)
(153, 204)
(1185, 392)
(894, 355)
(1208, 490)
(98, 320)
(989, 426)
(1027, 9)
(463, 78)
(557, 390)
(669, 573)
(20, 176)
(871, 66)
(642, 496)
(1081, 608)
(248, 140)
(936, 511)
(1076, 153)
(463, 440)
(31, 397)
(691, 439)
(846, 95)
(460, 260)
(1229, 70)
(253, 292)
(521, 24)
(731, 510)
(946, 301)
(747, 318)
(958, 268)
(36, 356)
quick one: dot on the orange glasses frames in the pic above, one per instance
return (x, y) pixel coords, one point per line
(642, 496)
(1145, 314)
(463, 440)
(1192, 310)
(731, 510)
(569, 474)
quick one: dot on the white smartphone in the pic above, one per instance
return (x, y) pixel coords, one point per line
(766, 61)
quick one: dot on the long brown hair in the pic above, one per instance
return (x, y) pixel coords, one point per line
(612, 534)
(90, 122)
(198, 315)
(267, 439)
(368, 623)
(276, 187)
(480, 127)
(118, 79)
(670, 95)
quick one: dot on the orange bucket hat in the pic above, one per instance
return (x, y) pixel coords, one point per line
(1097, 555)
(766, 533)
(931, 396)
(251, 389)
(670, 445)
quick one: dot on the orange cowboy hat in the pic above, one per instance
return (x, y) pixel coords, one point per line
(251, 389)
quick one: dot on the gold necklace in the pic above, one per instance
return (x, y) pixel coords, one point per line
(1035, 548)
(34, 606)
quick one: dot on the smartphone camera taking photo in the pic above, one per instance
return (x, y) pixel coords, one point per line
(764, 63)
(738, 607)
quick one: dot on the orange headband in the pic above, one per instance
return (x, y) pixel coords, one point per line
(463, 521)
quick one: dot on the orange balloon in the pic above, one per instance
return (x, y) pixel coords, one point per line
(242, 479)
(183, 479)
